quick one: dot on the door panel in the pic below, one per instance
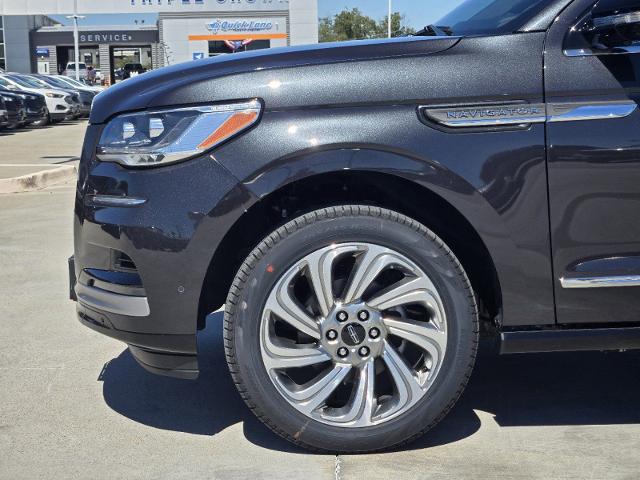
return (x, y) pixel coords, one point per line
(594, 182)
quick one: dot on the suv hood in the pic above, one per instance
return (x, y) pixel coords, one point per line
(260, 73)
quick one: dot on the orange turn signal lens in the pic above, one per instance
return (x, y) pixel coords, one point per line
(234, 124)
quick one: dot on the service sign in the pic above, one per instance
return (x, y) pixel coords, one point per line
(50, 36)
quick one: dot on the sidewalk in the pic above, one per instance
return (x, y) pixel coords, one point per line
(35, 158)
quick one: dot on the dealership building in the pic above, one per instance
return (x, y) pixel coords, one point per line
(186, 30)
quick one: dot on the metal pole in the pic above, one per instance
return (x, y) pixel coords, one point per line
(76, 47)
(389, 19)
(75, 38)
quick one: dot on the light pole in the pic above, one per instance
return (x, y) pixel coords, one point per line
(389, 19)
(76, 46)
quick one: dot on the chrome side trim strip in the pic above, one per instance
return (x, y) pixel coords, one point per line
(487, 115)
(112, 302)
(588, 52)
(601, 282)
(571, 112)
(115, 201)
(526, 114)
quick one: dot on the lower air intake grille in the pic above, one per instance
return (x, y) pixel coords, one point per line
(123, 262)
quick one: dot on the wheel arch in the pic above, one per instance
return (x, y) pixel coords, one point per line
(312, 190)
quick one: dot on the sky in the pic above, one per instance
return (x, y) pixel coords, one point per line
(418, 13)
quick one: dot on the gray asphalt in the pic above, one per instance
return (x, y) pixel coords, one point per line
(74, 404)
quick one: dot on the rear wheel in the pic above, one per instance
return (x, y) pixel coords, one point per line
(351, 329)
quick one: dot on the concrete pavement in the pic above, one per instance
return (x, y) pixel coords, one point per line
(53, 144)
(74, 404)
(33, 158)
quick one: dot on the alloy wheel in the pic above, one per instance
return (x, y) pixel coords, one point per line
(353, 334)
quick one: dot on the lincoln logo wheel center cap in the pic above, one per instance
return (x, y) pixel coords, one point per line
(353, 334)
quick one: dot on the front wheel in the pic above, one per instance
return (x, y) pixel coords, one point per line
(351, 329)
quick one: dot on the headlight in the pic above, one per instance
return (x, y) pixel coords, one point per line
(166, 136)
(54, 95)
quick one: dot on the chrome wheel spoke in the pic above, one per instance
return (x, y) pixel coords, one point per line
(411, 290)
(423, 334)
(313, 394)
(279, 356)
(369, 265)
(286, 308)
(408, 388)
(319, 266)
(360, 408)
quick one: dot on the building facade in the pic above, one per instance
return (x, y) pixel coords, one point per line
(105, 48)
(186, 30)
(15, 46)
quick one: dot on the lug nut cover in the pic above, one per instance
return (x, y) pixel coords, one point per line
(374, 333)
(332, 334)
(363, 351)
(363, 315)
(342, 316)
(343, 352)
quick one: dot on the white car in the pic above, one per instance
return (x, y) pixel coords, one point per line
(70, 71)
(59, 103)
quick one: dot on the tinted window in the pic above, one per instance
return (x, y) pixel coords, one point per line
(54, 82)
(24, 82)
(606, 7)
(491, 17)
(219, 47)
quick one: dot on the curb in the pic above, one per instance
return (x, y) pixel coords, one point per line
(38, 180)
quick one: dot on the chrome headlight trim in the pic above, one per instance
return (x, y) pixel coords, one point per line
(168, 135)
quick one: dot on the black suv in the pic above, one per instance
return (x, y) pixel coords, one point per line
(362, 209)
(130, 68)
(15, 107)
(36, 108)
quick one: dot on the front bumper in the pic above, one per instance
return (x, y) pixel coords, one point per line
(35, 114)
(141, 266)
(104, 311)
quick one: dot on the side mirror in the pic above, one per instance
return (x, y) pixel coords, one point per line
(603, 32)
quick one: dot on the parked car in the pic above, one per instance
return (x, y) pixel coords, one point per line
(4, 115)
(36, 109)
(118, 74)
(132, 69)
(99, 77)
(60, 103)
(76, 101)
(362, 208)
(15, 109)
(70, 70)
(84, 95)
(72, 82)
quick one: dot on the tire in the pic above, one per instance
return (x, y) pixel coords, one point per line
(378, 400)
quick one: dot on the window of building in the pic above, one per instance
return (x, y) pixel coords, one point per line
(217, 47)
(3, 63)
